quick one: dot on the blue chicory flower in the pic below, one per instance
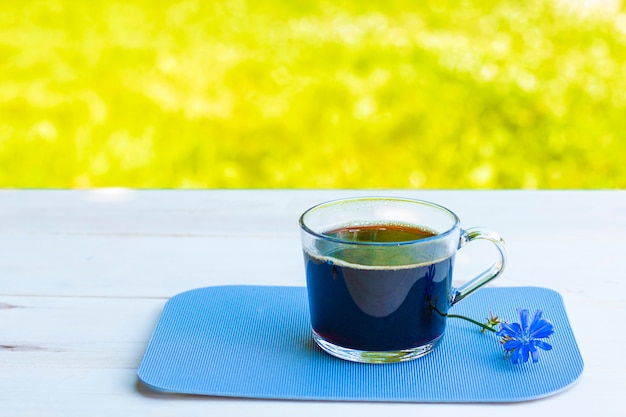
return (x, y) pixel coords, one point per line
(521, 340)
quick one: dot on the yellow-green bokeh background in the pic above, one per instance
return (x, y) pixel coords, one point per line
(324, 93)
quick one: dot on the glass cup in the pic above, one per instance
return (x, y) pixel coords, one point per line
(379, 275)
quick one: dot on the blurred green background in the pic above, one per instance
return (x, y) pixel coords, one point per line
(308, 94)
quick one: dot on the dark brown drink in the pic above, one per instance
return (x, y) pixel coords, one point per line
(380, 307)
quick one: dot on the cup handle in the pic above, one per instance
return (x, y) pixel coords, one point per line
(493, 272)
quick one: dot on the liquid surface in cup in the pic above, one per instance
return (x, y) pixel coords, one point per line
(378, 308)
(384, 232)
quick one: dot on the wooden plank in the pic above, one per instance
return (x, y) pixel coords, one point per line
(116, 266)
(75, 332)
(157, 243)
(275, 213)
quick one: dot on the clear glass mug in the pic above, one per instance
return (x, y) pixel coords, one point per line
(383, 296)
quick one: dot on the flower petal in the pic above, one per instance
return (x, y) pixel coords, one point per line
(509, 329)
(524, 318)
(535, 355)
(524, 353)
(537, 315)
(512, 345)
(543, 345)
(541, 329)
(515, 356)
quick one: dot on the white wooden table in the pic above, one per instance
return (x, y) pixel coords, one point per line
(84, 276)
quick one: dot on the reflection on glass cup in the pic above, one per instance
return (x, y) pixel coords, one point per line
(379, 275)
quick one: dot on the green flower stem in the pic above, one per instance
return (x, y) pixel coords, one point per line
(456, 316)
(484, 326)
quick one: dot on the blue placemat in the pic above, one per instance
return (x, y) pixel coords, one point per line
(255, 342)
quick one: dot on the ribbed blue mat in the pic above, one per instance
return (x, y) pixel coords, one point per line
(255, 342)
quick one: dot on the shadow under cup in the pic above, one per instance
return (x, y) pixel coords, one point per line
(384, 301)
